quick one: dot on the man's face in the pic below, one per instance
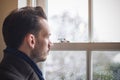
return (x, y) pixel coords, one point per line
(43, 43)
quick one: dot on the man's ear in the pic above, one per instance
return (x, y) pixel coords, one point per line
(30, 39)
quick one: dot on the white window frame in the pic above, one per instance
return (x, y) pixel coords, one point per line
(88, 46)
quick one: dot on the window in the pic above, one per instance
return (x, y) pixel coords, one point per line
(22, 3)
(68, 20)
(106, 65)
(66, 65)
(87, 39)
(106, 20)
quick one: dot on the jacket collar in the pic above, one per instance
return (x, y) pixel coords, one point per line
(23, 56)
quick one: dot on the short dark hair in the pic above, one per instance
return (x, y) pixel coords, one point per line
(21, 22)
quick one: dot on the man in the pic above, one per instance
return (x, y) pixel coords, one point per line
(26, 34)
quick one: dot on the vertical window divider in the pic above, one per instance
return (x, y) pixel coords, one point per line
(89, 66)
(29, 2)
(90, 35)
(90, 25)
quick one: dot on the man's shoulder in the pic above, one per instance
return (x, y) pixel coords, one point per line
(8, 72)
(15, 67)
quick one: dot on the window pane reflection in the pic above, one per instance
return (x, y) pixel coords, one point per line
(66, 65)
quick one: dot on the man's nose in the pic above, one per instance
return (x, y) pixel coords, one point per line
(50, 44)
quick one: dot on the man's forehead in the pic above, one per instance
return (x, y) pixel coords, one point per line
(43, 23)
(44, 26)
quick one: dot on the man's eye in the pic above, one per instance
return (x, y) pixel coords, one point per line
(48, 36)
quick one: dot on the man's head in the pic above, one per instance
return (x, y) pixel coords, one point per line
(27, 29)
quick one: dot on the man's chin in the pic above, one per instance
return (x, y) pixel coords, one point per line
(43, 59)
(39, 60)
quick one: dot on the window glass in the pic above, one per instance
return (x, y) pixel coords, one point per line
(106, 65)
(66, 65)
(106, 20)
(68, 20)
(22, 3)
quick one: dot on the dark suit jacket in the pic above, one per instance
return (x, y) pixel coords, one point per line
(15, 68)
